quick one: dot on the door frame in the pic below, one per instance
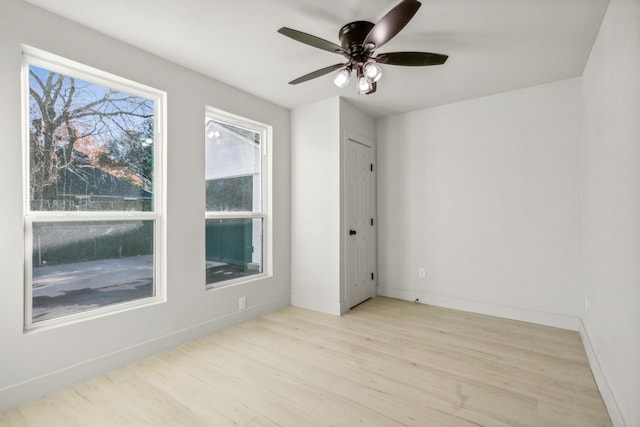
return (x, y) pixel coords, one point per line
(344, 232)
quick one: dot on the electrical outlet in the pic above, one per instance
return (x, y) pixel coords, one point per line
(242, 303)
(422, 273)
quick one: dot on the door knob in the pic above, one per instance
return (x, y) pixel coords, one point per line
(352, 232)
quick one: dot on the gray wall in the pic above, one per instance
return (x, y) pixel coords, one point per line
(484, 195)
(527, 204)
(35, 363)
(610, 208)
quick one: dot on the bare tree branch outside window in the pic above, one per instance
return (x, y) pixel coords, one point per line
(91, 147)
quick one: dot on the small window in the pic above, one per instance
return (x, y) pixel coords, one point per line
(236, 213)
(92, 190)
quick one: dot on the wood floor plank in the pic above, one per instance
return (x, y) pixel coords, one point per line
(443, 393)
(343, 377)
(447, 356)
(386, 363)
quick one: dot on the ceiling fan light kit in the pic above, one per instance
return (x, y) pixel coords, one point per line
(342, 77)
(372, 71)
(358, 41)
(365, 84)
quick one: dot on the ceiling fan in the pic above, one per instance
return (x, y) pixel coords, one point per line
(359, 40)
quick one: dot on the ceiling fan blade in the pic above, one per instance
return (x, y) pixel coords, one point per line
(311, 40)
(411, 59)
(317, 73)
(391, 24)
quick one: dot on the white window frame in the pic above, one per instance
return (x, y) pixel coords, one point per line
(43, 59)
(266, 135)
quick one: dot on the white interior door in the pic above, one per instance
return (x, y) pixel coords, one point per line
(359, 245)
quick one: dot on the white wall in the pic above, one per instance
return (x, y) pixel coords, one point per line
(33, 364)
(315, 212)
(610, 216)
(484, 195)
(317, 137)
(356, 122)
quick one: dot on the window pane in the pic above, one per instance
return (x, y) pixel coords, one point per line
(233, 168)
(230, 194)
(78, 266)
(233, 248)
(90, 147)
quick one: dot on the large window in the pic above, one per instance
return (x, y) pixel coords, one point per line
(93, 194)
(236, 198)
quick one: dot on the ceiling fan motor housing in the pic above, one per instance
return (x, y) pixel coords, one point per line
(352, 36)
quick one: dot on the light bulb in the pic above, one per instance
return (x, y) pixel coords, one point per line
(342, 77)
(364, 85)
(372, 71)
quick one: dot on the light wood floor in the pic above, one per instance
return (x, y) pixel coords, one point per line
(386, 363)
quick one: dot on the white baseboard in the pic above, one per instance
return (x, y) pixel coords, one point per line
(36, 388)
(324, 306)
(601, 380)
(513, 313)
(547, 319)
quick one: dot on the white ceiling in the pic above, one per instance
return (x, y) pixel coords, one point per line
(493, 45)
